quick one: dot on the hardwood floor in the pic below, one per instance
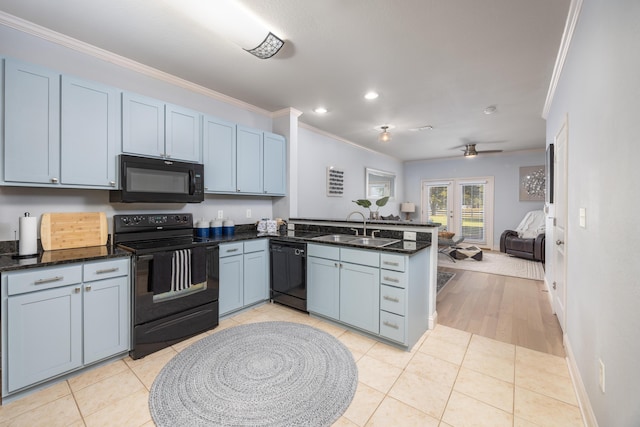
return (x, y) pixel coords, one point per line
(507, 309)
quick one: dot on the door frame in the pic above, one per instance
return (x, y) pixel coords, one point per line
(558, 275)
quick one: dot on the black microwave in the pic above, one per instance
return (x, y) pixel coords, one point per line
(149, 180)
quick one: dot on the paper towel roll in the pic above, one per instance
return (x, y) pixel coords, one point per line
(28, 235)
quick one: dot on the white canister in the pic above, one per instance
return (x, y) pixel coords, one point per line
(228, 227)
(215, 228)
(202, 228)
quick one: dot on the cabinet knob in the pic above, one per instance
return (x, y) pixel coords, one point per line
(112, 183)
(87, 288)
(76, 290)
(237, 190)
(54, 180)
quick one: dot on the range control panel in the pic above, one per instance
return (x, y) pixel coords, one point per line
(139, 222)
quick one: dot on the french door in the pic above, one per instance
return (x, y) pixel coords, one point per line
(463, 206)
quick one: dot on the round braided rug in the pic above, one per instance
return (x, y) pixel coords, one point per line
(260, 374)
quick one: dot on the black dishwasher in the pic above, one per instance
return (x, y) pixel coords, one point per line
(289, 273)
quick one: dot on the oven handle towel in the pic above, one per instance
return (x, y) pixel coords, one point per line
(198, 265)
(181, 270)
(161, 273)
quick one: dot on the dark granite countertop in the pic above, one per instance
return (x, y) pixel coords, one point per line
(373, 221)
(66, 256)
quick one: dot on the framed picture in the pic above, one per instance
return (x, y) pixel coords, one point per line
(532, 184)
(549, 183)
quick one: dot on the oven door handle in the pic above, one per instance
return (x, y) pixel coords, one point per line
(143, 257)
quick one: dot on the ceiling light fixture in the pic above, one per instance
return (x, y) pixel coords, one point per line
(233, 21)
(371, 95)
(384, 136)
(320, 110)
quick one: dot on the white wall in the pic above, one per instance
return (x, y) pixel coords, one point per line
(15, 201)
(504, 167)
(317, 152)
(599, 91)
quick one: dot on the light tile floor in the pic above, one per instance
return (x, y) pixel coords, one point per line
(450, 379)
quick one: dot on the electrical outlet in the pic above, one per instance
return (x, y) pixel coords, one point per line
(220, 214)
(601, 374)
(409, 235)
(248, 213)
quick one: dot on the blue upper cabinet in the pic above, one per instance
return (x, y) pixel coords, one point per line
(182, 133)
(275, 167)
(152, 128)
(90, 125)
(32, 124)
(219, 155)
(250, 157)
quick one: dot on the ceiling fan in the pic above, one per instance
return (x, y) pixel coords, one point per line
(470, 150)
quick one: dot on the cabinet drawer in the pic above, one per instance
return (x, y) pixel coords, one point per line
(259, 245)
(105, 269)
(324, 251)
(230, 249)
(393, 278)
(392, 262)
(356, 256)
(392, 326)
(43, 278)
(392, 299)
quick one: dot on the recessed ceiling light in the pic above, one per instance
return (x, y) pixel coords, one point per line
(490, 109)
(320, 110)
(371, 95)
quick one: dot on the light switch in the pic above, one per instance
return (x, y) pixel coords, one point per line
(583, 217)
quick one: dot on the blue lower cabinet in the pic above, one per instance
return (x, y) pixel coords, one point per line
(323, 286)
(360, 296)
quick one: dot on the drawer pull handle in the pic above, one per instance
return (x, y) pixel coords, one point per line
(391, 325)
(392, 299)
(232, 250)
(107, 270)
(395, 264)
(391, 279)
(49, 280)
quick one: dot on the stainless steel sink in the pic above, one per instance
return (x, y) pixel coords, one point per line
(338, 238)
(377, 242)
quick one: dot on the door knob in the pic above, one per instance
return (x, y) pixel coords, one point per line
(559, 242)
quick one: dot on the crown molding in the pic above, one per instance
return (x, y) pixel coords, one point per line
(105, 55)
(567, 36)
(286, 112)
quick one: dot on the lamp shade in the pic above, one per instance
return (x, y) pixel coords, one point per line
(407, 207)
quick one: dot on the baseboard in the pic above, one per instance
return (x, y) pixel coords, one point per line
(549, 294)
(433, 320)
(588, 416)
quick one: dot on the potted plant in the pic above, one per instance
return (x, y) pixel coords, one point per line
(367, 204)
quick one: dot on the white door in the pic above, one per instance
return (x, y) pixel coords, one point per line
(437, 202)
(463, 206)
(559, 230)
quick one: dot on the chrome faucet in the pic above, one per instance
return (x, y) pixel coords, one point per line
(364, 222)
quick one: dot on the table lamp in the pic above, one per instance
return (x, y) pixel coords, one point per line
(407, 208)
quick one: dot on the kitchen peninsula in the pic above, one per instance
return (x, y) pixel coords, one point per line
(387, 291)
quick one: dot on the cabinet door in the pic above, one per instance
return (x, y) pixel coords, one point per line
(31, 124)
(275, 164)
(106, 318)
(90, 125)
(323, 287)
(142, 125)
(256, 285)
(182, 133)
(249, 160)
(231, 280)
(360, 296)
(45, 336)
(219, 155)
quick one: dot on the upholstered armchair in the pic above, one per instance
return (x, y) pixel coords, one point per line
(528, 239)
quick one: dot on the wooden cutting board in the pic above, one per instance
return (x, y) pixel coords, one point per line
(73, 230)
